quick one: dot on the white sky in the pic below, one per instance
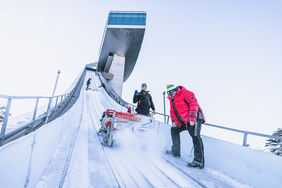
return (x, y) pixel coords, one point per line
(227, 52)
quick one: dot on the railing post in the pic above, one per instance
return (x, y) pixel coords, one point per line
(48, 109)
(245, 139)
(35, 109)
(5, 121)
(56, 101)
(167, 120)
(164, 106)
(50, 101)
(34, 114)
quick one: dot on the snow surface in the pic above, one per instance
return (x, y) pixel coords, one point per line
(68, 152)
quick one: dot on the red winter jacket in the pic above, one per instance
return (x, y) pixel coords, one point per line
(187, 112)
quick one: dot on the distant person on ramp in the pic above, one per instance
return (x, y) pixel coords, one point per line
(88, 83)
(144, 101)
(186, 114)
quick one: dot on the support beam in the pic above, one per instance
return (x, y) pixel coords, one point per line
(117, 69)
(109, 62)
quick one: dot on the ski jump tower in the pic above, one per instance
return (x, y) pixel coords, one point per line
(121, 43)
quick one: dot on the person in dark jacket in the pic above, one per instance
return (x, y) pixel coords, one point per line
(186, 114)
(88, 83)
(144, 101)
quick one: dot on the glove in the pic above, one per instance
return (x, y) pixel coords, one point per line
(135, 93)
(192, 116)
(174, 124)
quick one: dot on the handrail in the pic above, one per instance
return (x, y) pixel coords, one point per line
(245, 132)
(111, 92)
(236, 130)
(62, 102)
(29, 97)
(226, 128)
(31, 125)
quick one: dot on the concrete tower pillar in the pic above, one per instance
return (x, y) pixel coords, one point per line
(117, 69)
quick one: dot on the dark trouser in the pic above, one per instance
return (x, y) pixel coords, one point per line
(197, 141)
(143, 112)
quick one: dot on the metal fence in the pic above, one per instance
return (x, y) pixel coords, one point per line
(56, 106)
(245, 133)
(112, 93)
(54, 103)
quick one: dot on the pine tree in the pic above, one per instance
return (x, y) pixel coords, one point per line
(275, 145)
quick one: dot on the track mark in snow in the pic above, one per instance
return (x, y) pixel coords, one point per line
(207, 177)
(71, 148)
(95, 121)
(115, 171)
(125, 176)
(100, 172)
(153, 174)
(140, 179)
(174, 174)
(118, 166)
(195, 180)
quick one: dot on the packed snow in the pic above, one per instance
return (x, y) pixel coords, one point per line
(68, 152)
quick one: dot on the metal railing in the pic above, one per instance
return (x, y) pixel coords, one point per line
(112, 93)
(29, 127)
(117, 98)
(246, 133)
(53, 110)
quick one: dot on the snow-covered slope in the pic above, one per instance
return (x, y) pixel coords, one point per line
(68, 153)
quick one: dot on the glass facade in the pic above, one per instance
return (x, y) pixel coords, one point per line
(127, 19)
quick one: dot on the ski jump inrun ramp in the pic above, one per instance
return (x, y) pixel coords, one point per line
(67, 152)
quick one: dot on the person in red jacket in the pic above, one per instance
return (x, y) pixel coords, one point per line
(186, 114)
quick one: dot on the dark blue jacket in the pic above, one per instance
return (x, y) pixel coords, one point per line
(144, 102)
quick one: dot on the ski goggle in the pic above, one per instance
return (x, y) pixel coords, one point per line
(171, 91)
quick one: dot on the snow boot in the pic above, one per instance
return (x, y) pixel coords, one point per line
(196, 164)
(170, 152)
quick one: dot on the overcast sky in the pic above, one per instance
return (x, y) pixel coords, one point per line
(227, 52)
